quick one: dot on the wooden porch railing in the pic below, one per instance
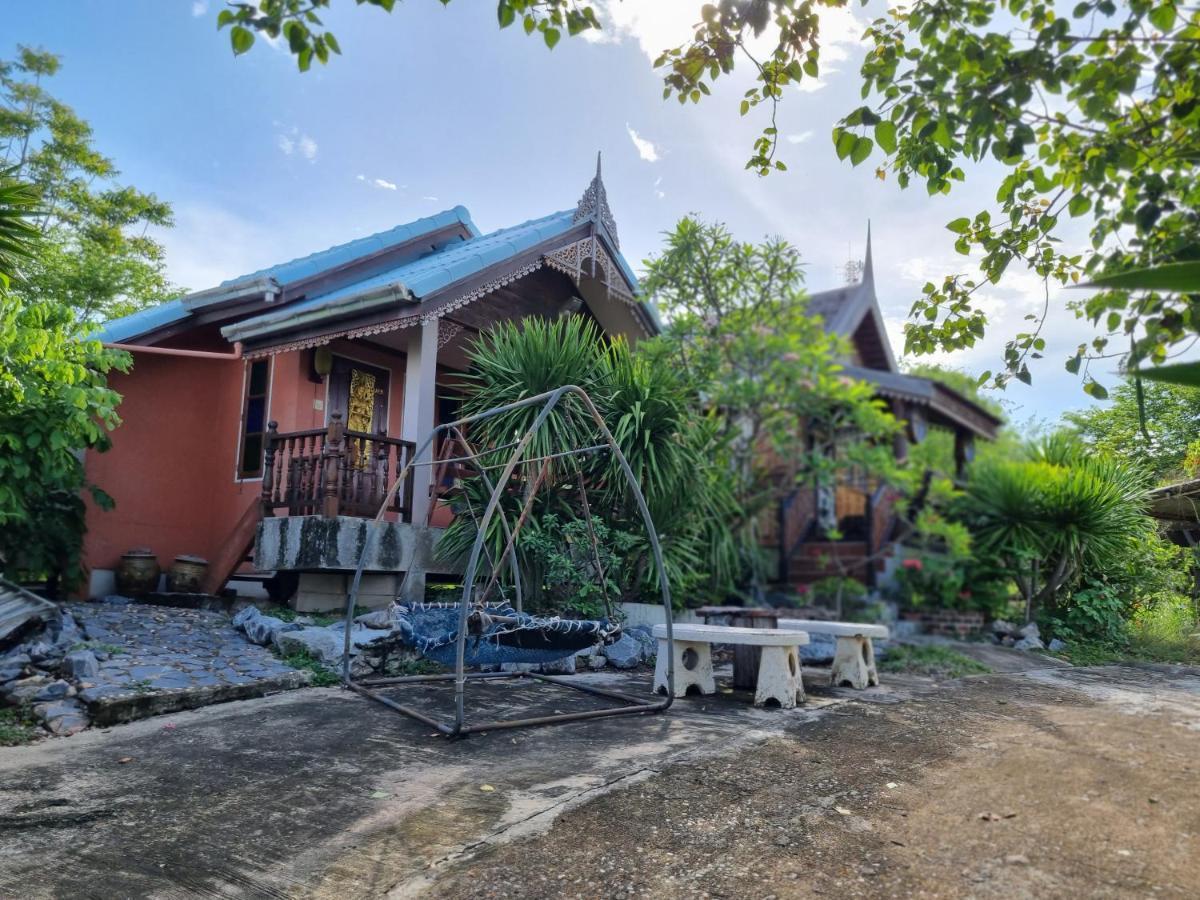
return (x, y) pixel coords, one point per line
(797, 515)
(334, 472)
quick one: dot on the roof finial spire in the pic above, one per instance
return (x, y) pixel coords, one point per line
(868, 274)
(594, 205)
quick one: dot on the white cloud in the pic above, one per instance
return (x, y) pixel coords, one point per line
(292, 141)
(646, 150)
(385, 185)
(799, 138)
(199, 7)
(657, 192)
(431, 199)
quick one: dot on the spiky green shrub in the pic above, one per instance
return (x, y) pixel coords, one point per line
(671, 448)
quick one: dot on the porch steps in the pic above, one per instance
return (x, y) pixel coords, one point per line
(815, 560)
(234, 551)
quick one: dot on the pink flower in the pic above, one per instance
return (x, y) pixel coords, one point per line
(914, 564)
(790, 357)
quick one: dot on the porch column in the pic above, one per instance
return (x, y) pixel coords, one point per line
(420, 397)
(964, 452)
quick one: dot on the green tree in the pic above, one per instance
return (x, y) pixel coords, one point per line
(54, 402)
(1091, 113)
(1159, 440)
(768, 371)
(95, 256)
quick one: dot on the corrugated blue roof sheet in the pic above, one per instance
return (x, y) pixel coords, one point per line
(144, 320)
(323, 260)
(437, 270)
(419, 277)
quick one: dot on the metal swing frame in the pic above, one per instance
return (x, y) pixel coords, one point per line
(459, 726)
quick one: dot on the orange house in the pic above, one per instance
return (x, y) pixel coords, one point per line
(268, 415)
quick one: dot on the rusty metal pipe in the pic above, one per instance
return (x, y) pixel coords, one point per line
(176, 351)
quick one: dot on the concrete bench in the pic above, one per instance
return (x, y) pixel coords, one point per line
(778, 670)
(854, 658)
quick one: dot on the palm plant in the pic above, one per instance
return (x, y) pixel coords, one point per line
(670, 447)
(1055, 515)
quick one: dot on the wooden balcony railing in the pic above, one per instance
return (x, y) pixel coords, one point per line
(334, 472)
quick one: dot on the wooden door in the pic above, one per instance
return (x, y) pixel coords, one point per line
(360, 393)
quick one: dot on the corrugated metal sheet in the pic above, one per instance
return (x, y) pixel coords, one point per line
(18, 606)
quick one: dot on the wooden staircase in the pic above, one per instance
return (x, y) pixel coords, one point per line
(815, 560)
(235, 550)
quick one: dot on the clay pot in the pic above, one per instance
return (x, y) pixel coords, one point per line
(138, 573)
(187, 575)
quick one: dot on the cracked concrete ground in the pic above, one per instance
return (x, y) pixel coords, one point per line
(1084, 780)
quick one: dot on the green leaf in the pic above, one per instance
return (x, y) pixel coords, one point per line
(1183, 277)
(242, 39)
(1186, 374)
(959, 226)
(505, 13)
(862, 149)
(551, 37)
(1079, 205)
(1096, 389)
(844, 142)
(885, 136)
(1163, 16)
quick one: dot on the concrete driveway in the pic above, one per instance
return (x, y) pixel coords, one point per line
(319, 793)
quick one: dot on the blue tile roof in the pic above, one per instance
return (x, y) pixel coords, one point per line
(415, 279)
(323, 260)
(142, 321)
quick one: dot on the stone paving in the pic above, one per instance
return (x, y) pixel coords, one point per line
(188, 655)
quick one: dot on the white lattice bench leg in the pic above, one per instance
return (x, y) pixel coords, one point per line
(693, 666)
(779, 677)
(854, 663)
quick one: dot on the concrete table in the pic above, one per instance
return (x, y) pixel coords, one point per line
(745, 658)
(854, 657)
(779, 675)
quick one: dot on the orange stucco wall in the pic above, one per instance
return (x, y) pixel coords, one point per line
(172, 468)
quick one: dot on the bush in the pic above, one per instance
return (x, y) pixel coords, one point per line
(1096, 612)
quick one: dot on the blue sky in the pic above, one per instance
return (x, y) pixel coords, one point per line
(432, 106)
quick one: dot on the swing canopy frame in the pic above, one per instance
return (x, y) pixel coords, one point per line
(500, 627)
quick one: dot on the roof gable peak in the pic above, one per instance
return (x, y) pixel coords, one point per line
(594, 205)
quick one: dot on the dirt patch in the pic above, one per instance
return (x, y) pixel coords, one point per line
(996, 786)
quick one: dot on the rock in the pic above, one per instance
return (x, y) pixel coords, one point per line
(1002, 627)
(626, 653)
(10, 673)
(64, 717)
(55, 690)
(1007, 640)
(246, 615)
(820, 648)
(1029, 643)
(645, 637)
(320, 643)
(1030, 631)
(381, 618)
(80, 664)
(564, 666)
(261, 629)
(304, 620)
(598, 661)
(1056, 645)
(116, 600)
(41, 651)
(23, 690)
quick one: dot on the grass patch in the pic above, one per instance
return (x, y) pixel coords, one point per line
(322, 675)
(1141, 648)
(930, 659)
(16, 728)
